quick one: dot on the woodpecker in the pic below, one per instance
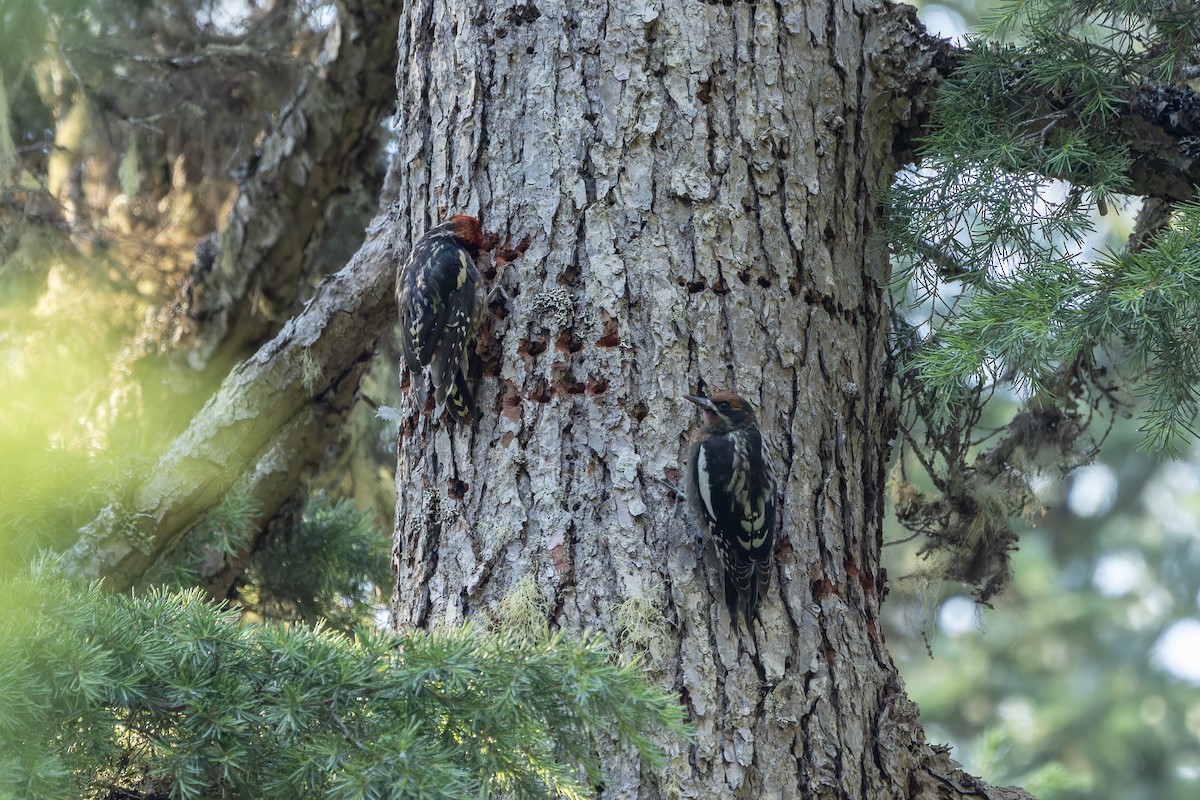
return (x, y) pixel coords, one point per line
(731, 493)
(436, 296)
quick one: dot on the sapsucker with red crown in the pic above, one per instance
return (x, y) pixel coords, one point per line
(436, 296)
(731, 492)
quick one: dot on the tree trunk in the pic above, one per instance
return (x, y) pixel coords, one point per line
(700, 183)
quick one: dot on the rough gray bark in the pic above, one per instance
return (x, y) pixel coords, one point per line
(270, 418)
(700, 184)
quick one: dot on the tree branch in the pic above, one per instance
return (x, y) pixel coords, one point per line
(1161, 127)
(267, 405)
(942, 778)
(1159, 124)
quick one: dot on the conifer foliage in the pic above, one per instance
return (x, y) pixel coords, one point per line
(1039, 130)
(163, 695)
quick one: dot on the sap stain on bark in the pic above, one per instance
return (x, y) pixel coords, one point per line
(608, 334)
(568, 343)
(533, 346)
(565, 381)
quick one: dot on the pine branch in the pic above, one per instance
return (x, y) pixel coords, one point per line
(165, 689)
(1022, 141)
(1158, 123)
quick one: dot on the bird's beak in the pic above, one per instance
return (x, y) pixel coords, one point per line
(703, 402)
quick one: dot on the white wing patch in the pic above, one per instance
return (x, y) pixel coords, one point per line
(463, 268)
(703, 481)
(760, 517)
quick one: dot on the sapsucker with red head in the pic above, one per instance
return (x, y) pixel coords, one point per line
(731, 492)
(436, 296)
